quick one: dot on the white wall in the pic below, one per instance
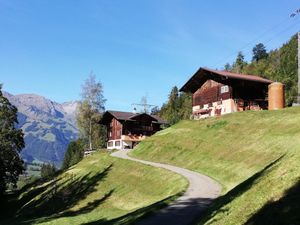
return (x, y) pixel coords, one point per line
(226, 106)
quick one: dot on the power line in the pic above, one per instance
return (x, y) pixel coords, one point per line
(260, 36)
(281, 32)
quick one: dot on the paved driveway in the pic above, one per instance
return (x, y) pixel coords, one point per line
(200, 193)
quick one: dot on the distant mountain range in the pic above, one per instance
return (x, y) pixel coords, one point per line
(48, 126)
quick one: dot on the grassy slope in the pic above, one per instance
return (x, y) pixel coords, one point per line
(236, 150)
(99, 190)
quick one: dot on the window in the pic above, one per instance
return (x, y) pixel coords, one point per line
(110, 144)
(117, 143)
(110, 134)
(224, 89)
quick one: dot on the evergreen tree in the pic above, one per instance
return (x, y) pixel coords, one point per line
(185, 106)
(239, 63)
(259, 52)
(73, 154)
(227, 67)
(11, 143)
(281, 66)
(48, 170)
(172, 106)
(177, 108)
(155, 110)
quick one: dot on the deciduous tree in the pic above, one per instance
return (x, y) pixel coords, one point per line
(90, 111)
(11, 143)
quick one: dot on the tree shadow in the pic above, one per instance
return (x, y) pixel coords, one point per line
(285, 211)
(158, 213)
(132, 217)
(57, 199)
(13, 202)
(235, 192)
(85, 209)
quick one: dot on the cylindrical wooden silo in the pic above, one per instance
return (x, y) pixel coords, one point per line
(276, 96)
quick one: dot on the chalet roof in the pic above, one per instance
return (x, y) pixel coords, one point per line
(203, 74)
(129, 116)
(121, 115)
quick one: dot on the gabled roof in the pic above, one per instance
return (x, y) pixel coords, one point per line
(159, 120)
(129, 116)
(121, 115)
(203, 74)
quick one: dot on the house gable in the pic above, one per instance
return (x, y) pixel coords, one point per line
(125, 129)
(221, 92)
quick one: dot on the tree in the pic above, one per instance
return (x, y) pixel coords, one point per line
(280, 65)
(11, 144)
(172, 106)
(90, 110)
(73, 154)
(259, 52)
(155, 110)
(179, 106)
(227, 67)
(185, 105)
(239, 63)
(48, 170)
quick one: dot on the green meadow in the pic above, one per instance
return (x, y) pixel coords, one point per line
(255, 155)
(98, 190)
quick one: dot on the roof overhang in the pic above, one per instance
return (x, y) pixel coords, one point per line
(204, 74)
(127, 116)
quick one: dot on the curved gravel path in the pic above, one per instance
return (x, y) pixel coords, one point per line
(200, 193)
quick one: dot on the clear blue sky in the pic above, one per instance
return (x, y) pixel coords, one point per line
(135, 47)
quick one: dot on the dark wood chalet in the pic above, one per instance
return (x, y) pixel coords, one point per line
(125, 129)
(220, 92)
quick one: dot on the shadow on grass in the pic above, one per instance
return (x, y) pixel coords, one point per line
(59, 197)
(13, 202)
(134, 217)
(235, 192)
(285, 211)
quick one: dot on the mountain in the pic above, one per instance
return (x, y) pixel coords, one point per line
(48, 126)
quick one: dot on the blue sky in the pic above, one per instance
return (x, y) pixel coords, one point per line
(136, 48)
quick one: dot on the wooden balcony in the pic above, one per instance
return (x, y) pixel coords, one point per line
(133, 137)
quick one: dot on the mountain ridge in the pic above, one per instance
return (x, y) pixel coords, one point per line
(48, 126)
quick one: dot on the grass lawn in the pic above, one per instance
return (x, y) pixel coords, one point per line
(254, 155)
(99, 190)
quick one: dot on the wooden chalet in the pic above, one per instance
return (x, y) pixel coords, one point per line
(126, 129)
(220, 92)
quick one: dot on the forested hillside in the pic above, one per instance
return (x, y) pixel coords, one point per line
(277, 65)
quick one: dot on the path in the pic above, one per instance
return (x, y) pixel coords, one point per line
(200, 193)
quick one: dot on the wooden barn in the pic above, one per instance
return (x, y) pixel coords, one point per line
(126, 129)
(220, 92)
